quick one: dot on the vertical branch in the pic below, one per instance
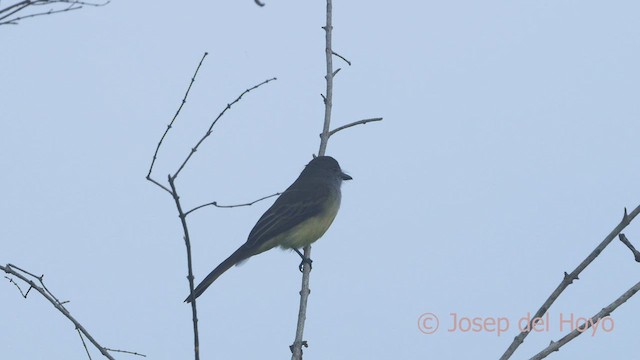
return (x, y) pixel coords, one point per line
(296, 348)
(174, 193)
(328, 99)
(187, 241)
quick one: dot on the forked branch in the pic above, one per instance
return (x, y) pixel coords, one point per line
(24, 275)
(568, 279)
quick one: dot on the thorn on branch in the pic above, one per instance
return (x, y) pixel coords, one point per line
(625, 217)
(569, 279)
(335, 72)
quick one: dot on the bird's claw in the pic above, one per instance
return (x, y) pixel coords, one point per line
(305, 261)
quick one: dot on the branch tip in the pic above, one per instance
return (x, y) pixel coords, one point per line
(341, 57)
(359, 122)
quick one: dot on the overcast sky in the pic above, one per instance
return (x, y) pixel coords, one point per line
(508, 150)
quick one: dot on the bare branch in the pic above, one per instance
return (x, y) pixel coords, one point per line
(184, 100)
(17, 272)
(215, 203)
(359, 122)
(328, 97)
(126, 352)
(174, 193)
(568, 279)
(160, 185)
(195, 148)
(7, 12)
(341, 57)
(187, 242)
(298, 342)
(636, 253)
(84, 344)
(556, 345)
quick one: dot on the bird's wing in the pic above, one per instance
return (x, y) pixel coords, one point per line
(290, 209)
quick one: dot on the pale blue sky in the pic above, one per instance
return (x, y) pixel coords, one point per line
(507, 152)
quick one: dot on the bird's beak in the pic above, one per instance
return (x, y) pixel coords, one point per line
(346, 177)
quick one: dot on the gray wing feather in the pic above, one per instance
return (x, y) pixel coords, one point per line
(292, 208)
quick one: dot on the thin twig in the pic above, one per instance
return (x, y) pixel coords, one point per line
(174, 193)
(353, 124)
(160, 185)
(341, 57)
(84, 344)
(568, 279)
(215, 203)
(126, 352)
(328, 97)
(184, 100)
(556, 345)
(17, 7)
(259, 3)
(24, 294)
(15, 21)
(636, 253)
(11, 269)
(187, 242)
(195, 148)
(11, 10)
(20, 4)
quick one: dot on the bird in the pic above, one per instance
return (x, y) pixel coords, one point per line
(298, 217)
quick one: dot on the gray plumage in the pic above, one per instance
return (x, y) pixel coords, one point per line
(300, 216)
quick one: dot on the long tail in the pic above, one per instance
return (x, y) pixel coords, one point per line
(241, 254)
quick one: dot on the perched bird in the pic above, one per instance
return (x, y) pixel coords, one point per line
(299, 216)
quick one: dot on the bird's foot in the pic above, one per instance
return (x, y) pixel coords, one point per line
(305, 260)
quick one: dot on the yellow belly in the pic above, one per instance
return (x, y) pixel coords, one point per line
(309, 231)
